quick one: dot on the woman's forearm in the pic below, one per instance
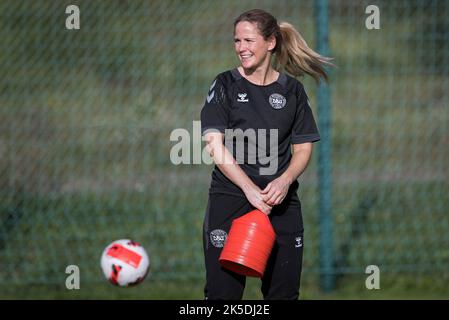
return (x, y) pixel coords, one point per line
(298, 163)
(229, 166)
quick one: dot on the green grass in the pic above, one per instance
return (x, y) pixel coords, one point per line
(351, 288)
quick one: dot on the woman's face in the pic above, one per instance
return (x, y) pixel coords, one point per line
(250, 46)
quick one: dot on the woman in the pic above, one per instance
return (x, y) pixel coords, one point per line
(246, 107)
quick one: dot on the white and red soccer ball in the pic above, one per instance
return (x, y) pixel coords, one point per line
(125, 263)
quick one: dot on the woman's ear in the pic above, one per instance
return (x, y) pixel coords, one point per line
(271, 43)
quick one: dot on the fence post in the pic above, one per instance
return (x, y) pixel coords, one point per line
(327, 277)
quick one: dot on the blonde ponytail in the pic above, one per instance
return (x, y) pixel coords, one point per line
(295, 57)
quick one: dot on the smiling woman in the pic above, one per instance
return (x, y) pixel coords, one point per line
(257, 38)
(260, 98)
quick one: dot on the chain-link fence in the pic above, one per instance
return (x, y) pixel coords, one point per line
(86, 117)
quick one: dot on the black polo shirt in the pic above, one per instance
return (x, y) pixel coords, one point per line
(260, 123)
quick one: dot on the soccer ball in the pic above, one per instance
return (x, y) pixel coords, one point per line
(125, 263)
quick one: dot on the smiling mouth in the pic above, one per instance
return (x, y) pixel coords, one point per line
(246, 56)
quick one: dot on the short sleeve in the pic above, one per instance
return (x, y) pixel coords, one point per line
(304, 127)
(215, 112)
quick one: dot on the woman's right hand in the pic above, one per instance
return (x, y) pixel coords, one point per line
(254, 196)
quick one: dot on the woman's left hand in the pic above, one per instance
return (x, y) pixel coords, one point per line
(275, 192)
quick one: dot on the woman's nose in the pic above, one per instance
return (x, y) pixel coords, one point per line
(241, 47)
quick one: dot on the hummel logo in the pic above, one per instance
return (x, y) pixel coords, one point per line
(212, 85)
(298, 242)
(211, 94)
(242, 97)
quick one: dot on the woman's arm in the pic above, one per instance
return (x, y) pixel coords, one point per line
(275, 192)
(230, 168)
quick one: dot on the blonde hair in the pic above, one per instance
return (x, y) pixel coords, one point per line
(292, 53)
(296, 57)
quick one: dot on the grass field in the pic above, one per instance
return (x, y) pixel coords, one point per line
(353, 289)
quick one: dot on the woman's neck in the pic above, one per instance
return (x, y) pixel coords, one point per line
(260, 76)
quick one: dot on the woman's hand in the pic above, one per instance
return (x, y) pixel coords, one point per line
(275, 192)
(254, 196)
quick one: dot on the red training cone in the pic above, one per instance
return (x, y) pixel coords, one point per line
(248, 245)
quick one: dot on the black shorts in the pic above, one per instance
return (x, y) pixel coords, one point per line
(282, 275)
